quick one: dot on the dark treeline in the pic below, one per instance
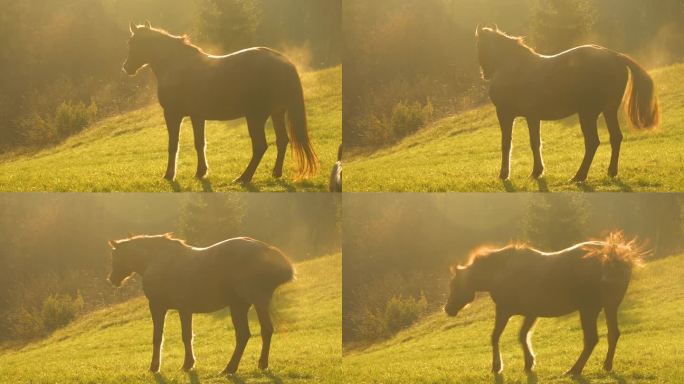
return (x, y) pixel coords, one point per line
(60, 60)
(398, 248)
(54, 255)
(409, 61)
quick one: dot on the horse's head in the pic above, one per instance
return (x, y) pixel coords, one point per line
(121, 260)
(496, 48)
(486, 50)
(139, 47)
(461, 292)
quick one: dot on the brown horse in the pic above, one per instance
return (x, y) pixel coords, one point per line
(587, 80)
(255, 83)
(235, 273)
(588, 277)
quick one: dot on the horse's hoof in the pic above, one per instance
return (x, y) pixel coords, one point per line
(607, 367)
(187, 366)
(277, 175)
(263, 366)
(228, 371)
(612, 174)
(201, 176)
(154, 368)
(243, 181)
(169, 177)
(573, 373)
(578, 180)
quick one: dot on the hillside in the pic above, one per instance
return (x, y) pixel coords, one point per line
(457, 350)
(128, 152)
(462, 153)
(114, 345)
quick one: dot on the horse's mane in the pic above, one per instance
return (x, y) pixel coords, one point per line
(167, 237)
(501, 37)
(182, 41)
(484, 251)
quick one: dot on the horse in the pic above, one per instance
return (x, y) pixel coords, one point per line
(255, 83)
(587, 277)
(335, 183)
(588, 80)
(235, 273)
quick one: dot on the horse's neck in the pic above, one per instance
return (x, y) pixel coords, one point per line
(175, 59)
(483, 274)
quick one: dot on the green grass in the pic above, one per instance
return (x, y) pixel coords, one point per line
(440, 349)
(113, 345)
(128, 152)
(462, 153)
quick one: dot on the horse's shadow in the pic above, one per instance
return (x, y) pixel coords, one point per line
(508, 186)
(159, 378)
(206, 185)
(175, 186)
(624, 187)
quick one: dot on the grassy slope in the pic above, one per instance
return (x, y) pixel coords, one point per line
(462, 153)
(114, 345)
(457, 350)
(128, 152)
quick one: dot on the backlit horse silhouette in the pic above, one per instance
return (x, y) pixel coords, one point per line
(235, 273)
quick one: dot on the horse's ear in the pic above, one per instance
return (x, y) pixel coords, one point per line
(113, 244)
(478, 29)
(132, 27)
(148, 25)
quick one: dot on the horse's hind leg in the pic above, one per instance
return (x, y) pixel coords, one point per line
(534, 126)
(591, 143)
(524, 338)
(186, 328)
(200, 147)
(611, 116)
(613, 335)
(255, 124)
(588, 318)
(281, 141)
(262, 310)
(238, 313)
(499, 326)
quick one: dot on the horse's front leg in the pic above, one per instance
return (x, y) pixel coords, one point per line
(158, 317)
(591, 144)
(506, 124)
(201, 147)
(524, 338)
(588, 318)
(173, 123)
(255, 124)
(534, 126)
(186, 328)
(499, 326)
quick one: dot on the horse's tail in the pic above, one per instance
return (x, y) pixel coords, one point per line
(641, 103)
(281, 269)
(304, 154)
(618, 256)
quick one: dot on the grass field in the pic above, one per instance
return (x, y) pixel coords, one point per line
(114, 345)
(128, 152)
(457, 350)
(462, 153)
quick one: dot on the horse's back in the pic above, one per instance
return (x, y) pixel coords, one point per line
(554, 87)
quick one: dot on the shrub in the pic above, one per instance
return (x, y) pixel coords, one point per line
(59, 310)
(72, 118)
(25, 324)
(401, 312)
(407, 118)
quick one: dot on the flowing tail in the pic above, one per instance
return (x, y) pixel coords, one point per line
(619, 257)
(304, 154)
(641, 103)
